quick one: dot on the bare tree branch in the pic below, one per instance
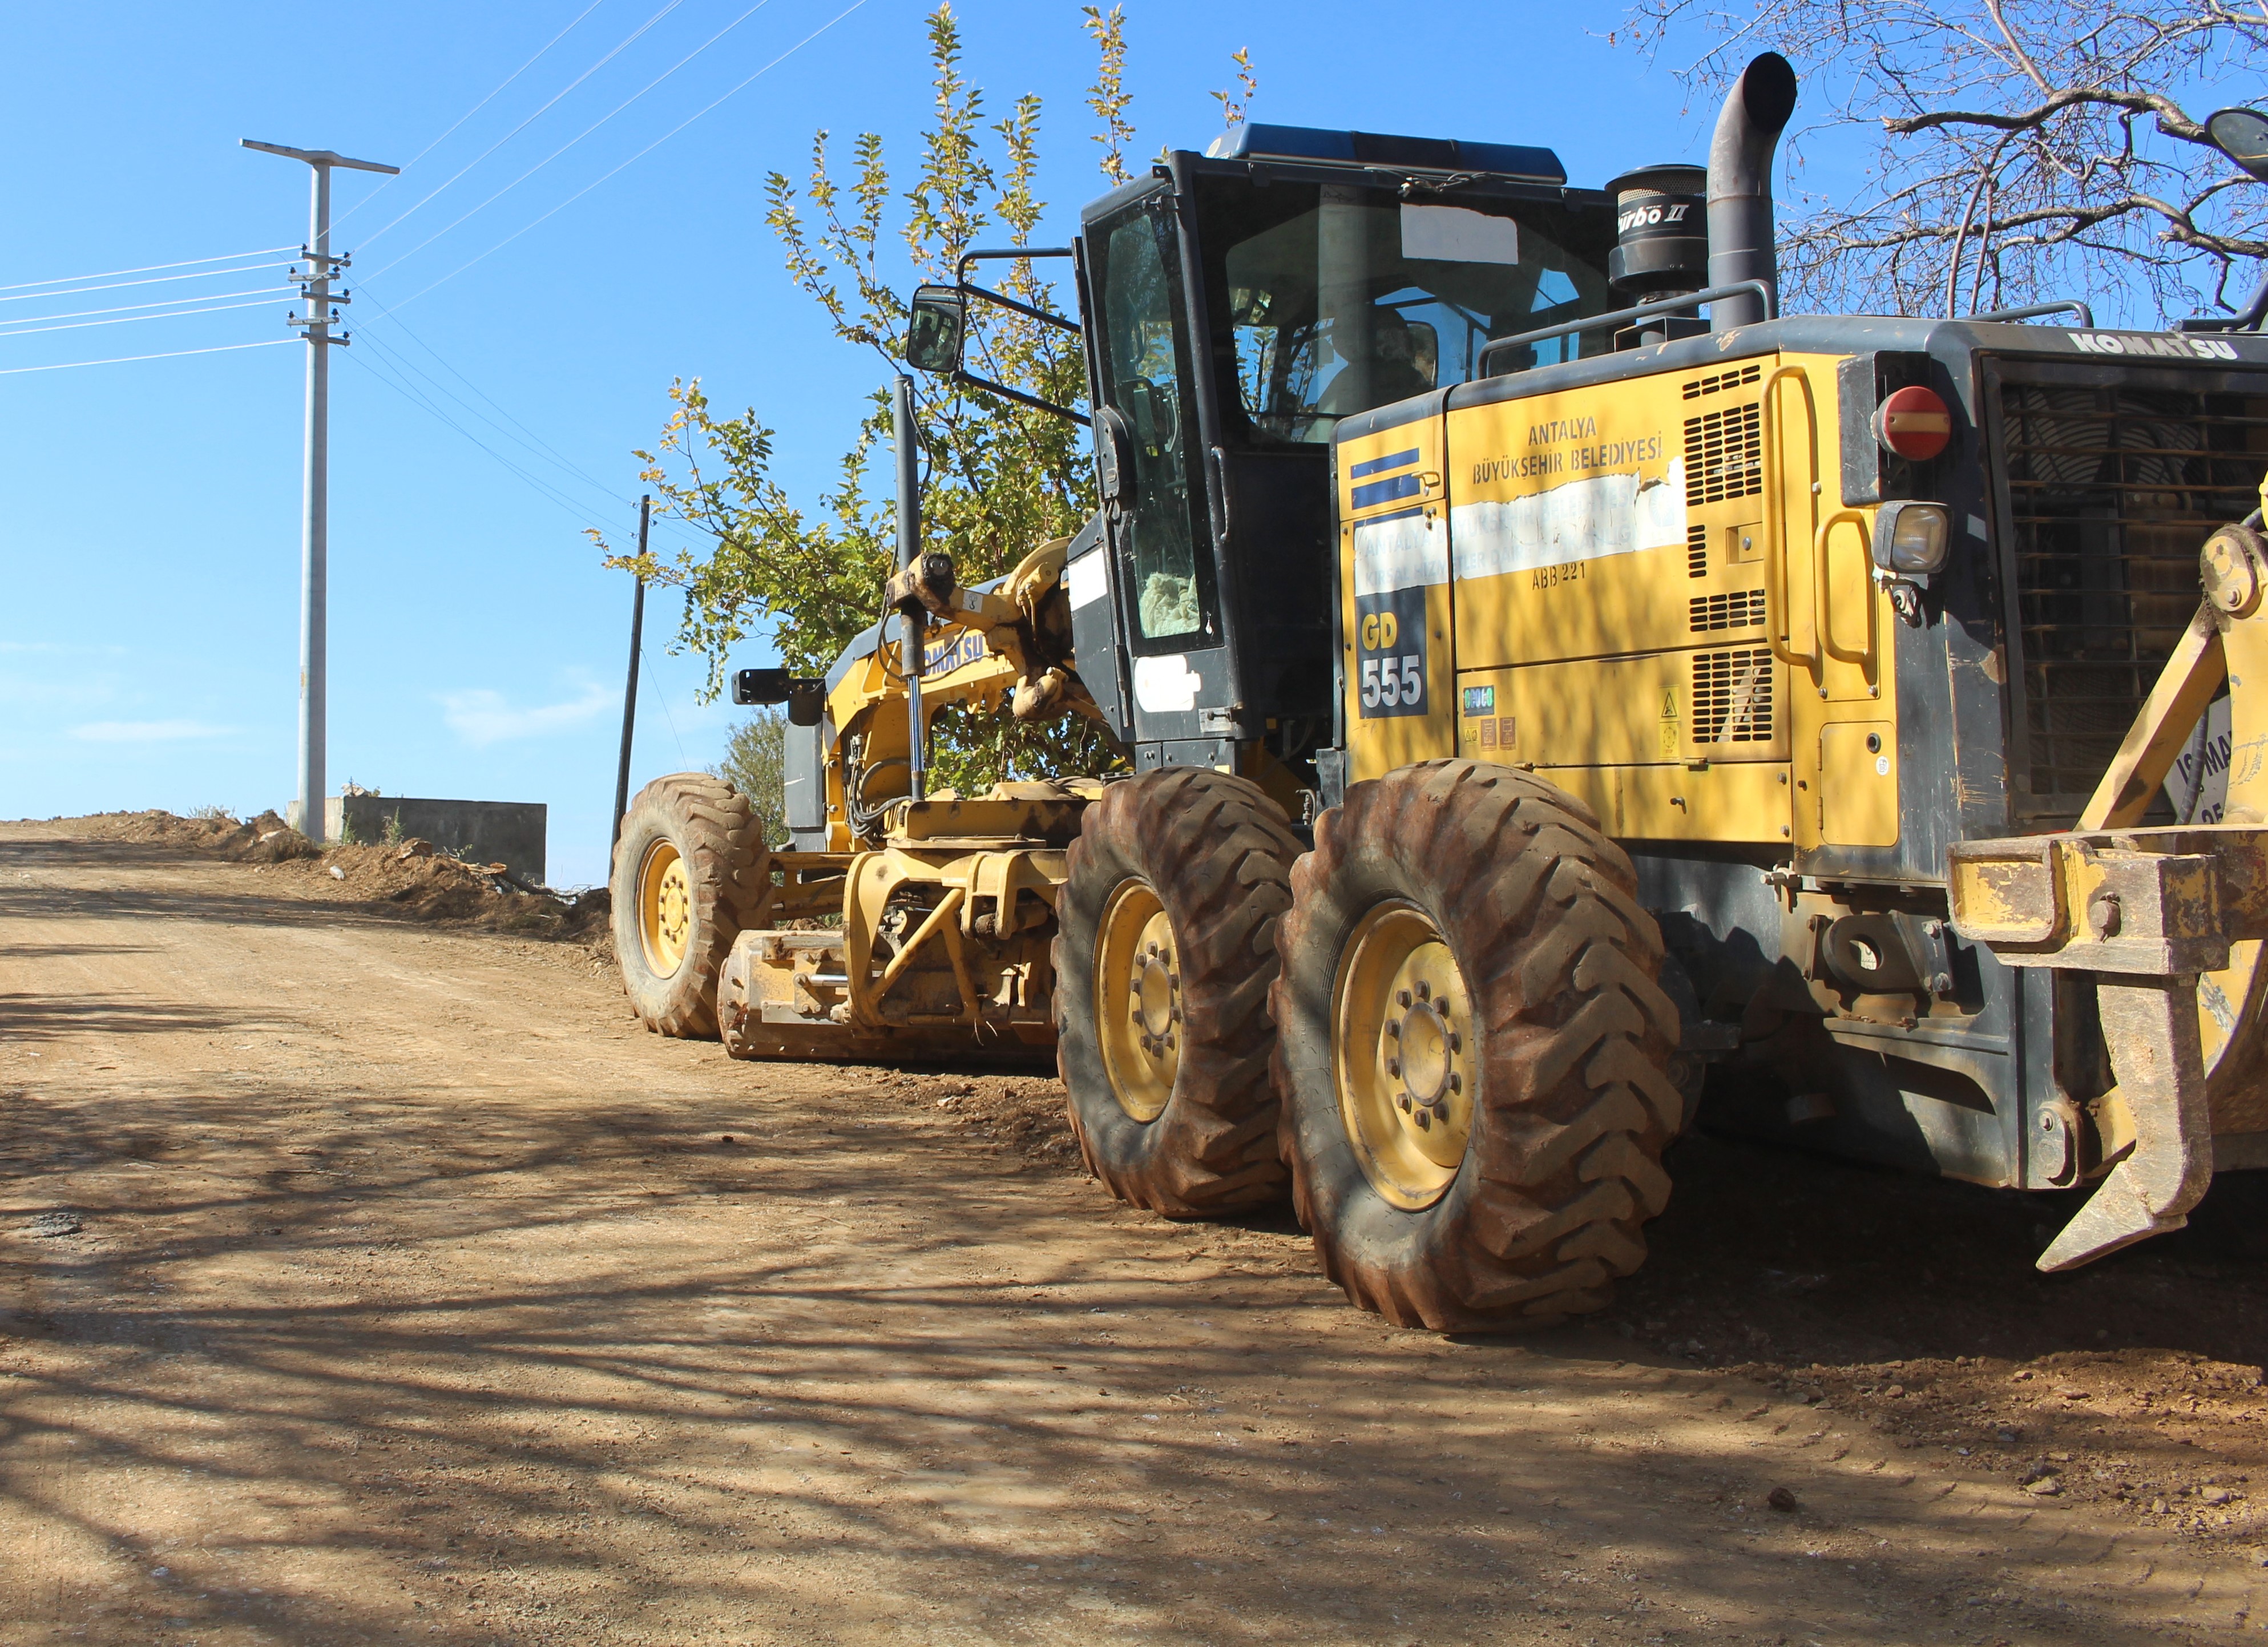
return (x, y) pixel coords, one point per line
(2012, 150)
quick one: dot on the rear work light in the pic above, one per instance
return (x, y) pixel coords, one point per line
(1911, 538)
(1914, 423)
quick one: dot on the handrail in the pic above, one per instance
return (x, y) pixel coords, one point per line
(1635, 312)
(2033, 311)
(1778, 628)
(1867, 656)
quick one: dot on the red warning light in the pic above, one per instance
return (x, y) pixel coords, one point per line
(1914, 423)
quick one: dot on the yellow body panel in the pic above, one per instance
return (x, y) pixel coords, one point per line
(1738, 802)
(1645, 589)
(1859, 783)
(1394, 599)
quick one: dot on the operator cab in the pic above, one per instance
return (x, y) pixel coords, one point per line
(1239, 303)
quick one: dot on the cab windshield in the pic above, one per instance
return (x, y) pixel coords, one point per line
(1336, 299)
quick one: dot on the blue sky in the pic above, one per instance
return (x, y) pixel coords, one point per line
(148, 644)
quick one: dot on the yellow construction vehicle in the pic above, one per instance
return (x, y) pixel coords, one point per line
(1546, 704)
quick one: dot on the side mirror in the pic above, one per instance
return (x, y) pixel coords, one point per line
(934, 329)
(760, 686)
(806, 699)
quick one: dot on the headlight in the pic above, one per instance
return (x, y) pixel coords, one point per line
(1911, 539)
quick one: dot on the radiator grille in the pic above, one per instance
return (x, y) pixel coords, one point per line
(1738, 610)
(1717, 382)
(2112, 490)
(1724, 455)
(1733, 696)
(1696, 551)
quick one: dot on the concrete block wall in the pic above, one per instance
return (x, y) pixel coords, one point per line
(511, 832)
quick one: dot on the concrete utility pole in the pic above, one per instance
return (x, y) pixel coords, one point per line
(314, 535)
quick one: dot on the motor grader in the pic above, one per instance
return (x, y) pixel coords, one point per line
(1546, 704)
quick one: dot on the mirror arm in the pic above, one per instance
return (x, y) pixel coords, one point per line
(1006, 302)
(972, 380)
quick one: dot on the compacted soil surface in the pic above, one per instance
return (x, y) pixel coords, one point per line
(367, 1275)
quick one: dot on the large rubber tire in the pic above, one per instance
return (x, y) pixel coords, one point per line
(708, 829)
(1212, 856)
(1571, 1104)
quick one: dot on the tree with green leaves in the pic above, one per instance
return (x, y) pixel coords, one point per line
(999, 478)
(755, 764)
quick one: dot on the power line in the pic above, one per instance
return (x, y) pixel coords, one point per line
(170, 353)
(127, 308)
(408, 392)
(62, 280)
(403, 367)
(532, 442)
(634, 34)
(155, 279)
(580, 135)
(640, 155)
(128, 319)
(475, 109)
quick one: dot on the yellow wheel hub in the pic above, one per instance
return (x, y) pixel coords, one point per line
(1137, 1000)
(665, 909)
(1402, 1055)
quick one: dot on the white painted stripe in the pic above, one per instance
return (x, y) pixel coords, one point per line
(1166, 684)
(1086, 580)
(1401, 552)
(1583, 520)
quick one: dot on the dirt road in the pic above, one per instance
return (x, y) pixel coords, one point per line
(363, 1281)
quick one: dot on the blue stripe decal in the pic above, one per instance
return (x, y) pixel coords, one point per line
(1385, 491)
(1392, 460)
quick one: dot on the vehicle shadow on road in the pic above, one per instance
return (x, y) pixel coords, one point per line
(480, 1354)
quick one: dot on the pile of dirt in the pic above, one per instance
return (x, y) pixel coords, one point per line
(410, 878)
(266, 839)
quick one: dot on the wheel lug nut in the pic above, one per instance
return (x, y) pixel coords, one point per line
(1425, 1120)
(1456, 1084)
(1394, 1066)
(1424, 990)
(1456, 1042)
(1393, 1027)
(1404, 1101)
(1401, 998)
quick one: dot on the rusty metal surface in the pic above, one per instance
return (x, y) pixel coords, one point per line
(2152, 902)
(2152, 1027)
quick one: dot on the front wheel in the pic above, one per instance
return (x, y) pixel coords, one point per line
(1164, 953)
(1472, 1050)
(690, 866)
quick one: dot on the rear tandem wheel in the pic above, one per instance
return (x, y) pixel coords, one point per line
(1473, 1050)
(1164, 953)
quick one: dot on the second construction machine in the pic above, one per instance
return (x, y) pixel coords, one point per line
(1545, 703)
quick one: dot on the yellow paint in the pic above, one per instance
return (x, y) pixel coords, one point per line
(1693, 639)
(1859, 783)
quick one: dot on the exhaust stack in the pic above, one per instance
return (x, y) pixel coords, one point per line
(1740, 239)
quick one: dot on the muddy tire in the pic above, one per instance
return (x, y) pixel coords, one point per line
(690, 868)
(1164, 953)
(1473, 1051)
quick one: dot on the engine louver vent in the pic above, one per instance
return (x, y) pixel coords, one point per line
(1717, 382)
(1696, 551)
(1739, 610)
(1732, 699)
(1723, 455)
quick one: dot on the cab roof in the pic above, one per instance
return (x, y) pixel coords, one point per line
(1250, 141)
